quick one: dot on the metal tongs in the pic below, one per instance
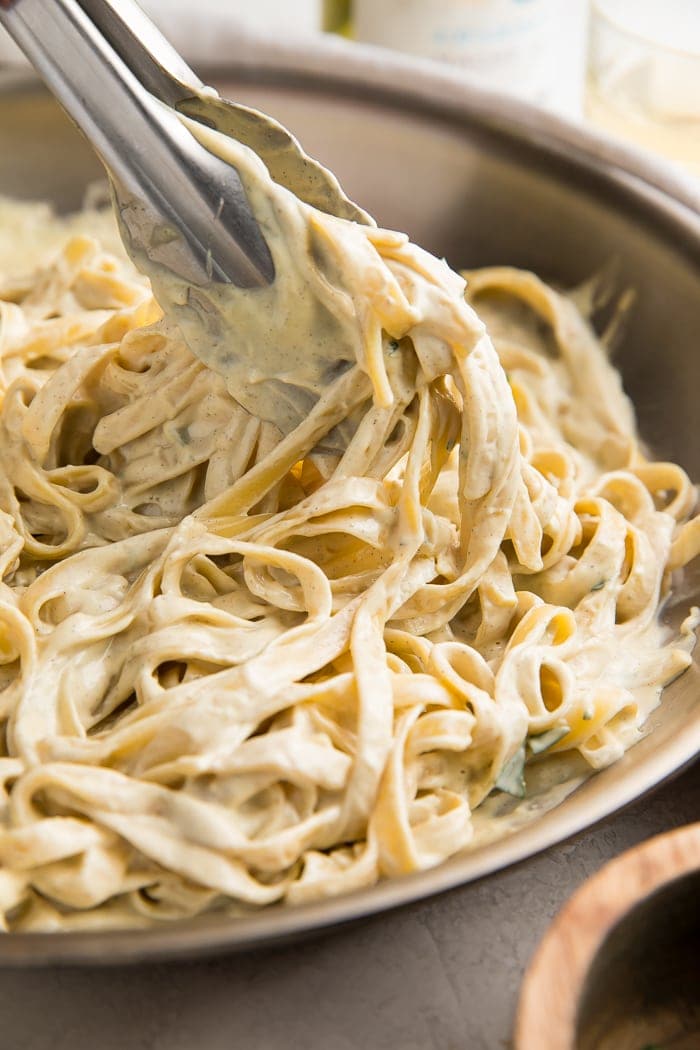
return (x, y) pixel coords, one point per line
(178, 204)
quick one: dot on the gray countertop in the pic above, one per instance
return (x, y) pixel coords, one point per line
(439, 975)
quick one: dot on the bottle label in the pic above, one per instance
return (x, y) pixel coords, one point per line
(508, 44)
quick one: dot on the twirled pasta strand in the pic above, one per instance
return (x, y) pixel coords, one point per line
(237, 667)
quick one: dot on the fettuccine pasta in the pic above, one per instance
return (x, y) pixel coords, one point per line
(239, 666)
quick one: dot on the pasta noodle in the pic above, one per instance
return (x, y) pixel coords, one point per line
(242, 664)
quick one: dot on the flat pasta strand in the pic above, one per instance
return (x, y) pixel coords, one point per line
(239, 666)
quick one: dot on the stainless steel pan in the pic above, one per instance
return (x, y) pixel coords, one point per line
(481, 180)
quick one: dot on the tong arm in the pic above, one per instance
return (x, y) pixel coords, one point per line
(181, 205)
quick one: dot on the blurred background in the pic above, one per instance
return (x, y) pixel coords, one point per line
(630, 67)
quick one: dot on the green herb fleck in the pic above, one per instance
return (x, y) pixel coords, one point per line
(511, 779)
(599, 585)
(393, 346)
(543, 741)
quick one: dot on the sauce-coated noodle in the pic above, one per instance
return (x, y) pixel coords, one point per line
(237, 667)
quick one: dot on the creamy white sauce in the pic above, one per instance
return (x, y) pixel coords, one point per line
(273, 641)
(280, 346)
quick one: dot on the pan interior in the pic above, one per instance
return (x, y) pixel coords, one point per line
(478, 193)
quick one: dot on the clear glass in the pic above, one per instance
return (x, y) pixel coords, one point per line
(644, 75)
